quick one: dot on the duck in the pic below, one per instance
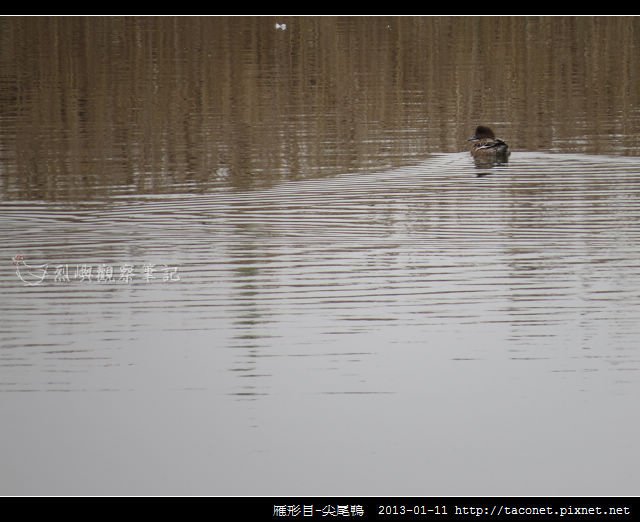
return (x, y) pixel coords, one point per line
(487, 148)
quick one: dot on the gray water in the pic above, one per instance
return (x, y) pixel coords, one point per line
(361, 315)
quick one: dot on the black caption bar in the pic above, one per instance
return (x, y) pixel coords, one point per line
(290, 509)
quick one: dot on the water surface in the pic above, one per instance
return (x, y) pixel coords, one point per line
(326, 295)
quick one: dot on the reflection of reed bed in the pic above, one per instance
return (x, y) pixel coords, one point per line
(144, 103)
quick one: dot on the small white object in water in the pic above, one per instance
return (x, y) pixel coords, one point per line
(282, 27)
(223, 172)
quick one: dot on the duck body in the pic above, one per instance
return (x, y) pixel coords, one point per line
(487, 148)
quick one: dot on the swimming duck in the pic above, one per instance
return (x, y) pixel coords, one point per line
(487, 148)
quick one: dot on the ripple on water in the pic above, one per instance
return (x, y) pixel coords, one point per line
(540, 255)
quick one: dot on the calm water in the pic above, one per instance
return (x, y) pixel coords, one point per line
(300, 282)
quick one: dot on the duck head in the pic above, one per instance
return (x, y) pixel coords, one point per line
(482, 133)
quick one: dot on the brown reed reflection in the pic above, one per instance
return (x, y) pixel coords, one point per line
(93, 106)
